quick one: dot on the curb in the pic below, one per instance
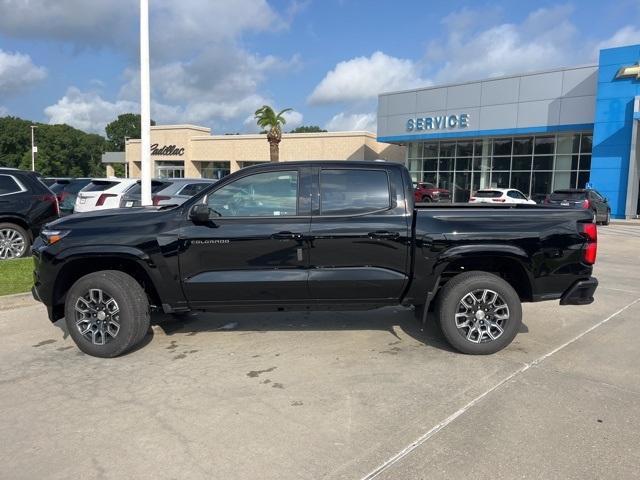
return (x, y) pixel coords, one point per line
(18, 300)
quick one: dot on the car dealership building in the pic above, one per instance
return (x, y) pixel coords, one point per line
(565, 128)
(192, 151)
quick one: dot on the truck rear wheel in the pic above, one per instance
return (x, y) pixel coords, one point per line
(479, 313)
(107, 313)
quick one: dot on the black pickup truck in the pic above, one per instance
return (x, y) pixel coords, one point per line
(312, 235)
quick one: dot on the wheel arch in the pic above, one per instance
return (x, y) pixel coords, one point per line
(510, 264)
(79, 266)
(21, 222)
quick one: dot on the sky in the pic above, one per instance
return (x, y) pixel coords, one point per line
(214, 62)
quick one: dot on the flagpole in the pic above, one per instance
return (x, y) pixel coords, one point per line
(145, 106)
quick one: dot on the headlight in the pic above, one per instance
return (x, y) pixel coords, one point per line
(53, 236)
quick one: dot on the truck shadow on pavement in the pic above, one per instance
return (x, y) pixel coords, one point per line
(394, 320)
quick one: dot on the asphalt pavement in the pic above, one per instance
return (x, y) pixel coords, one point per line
(340, 395)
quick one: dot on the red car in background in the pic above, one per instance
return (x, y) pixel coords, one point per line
(428, 192)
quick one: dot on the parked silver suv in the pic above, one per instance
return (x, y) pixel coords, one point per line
(166, 191)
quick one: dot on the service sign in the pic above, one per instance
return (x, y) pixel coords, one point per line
(440, 122)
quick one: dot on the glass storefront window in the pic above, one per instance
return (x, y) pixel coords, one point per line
(585, 162)
(214, 169)
(447, 149)
(532, 164)
(544, 145)
(415, 150)
(501, 163)
(465, 149)
(521, 163)
(166, 169)
(500, 179)
(502, 146)
(523, 146)
(431, 149)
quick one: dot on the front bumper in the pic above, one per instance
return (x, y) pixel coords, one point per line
(580, 293)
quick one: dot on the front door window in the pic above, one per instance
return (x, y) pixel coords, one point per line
(269, 194)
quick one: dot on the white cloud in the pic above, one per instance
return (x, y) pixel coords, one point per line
(175, 26)
(363, 78)
(546, 38)
(627, 35)
(87, 110)
(352, 122)
(17, 72)
(293, 118)
(200, 71)
(4, 111)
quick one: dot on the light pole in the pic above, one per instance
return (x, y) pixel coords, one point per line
(34, 149)
(145, 106)
(126, 163)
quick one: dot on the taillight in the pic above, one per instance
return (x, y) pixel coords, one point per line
(472, 199)
(585, 204)
(158, 198)
(51, 197)
(103, 197)
(590, 250)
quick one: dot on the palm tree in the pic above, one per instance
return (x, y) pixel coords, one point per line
(267, 118)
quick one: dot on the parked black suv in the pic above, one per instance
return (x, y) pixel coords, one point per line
(25, 205)
(584, 199)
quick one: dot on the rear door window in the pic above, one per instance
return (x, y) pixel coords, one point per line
(99, 186)
(353, 191)
(8, 185)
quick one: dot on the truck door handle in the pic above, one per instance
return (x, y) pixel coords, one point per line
(286, 236)
(384, 234)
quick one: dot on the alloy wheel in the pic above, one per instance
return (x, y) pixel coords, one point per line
(97, 316)
(482, 316)
(12, 243)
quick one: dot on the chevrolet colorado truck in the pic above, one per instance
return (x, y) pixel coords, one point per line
(312, 235)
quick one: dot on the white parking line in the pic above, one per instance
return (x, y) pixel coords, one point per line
(426, 436)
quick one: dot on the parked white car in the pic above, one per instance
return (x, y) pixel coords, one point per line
(500, 195)
(102, 193)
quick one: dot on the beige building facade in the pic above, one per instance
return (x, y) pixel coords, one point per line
(191, 151)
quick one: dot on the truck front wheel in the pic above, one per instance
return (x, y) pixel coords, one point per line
(479, 313)
(107, 313)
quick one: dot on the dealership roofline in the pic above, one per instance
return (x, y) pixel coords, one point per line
(489, 79)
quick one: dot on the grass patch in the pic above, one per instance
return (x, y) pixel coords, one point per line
(16, 275)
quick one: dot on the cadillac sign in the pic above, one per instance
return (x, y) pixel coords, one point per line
(443, 122)
(169, 150)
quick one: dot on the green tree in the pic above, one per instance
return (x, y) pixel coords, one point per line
(272, 122)
(126, 125)
(307, 129)
(63, 151)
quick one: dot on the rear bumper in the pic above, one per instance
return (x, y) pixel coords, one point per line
(580, 293)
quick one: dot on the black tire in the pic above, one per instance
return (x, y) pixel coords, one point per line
(450, 304)
(16, 231)
(132, 317)
(607, 220)
(426, 199)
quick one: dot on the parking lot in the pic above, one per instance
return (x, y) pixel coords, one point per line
(334, 395)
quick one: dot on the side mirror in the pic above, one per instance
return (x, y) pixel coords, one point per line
(200, 213)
